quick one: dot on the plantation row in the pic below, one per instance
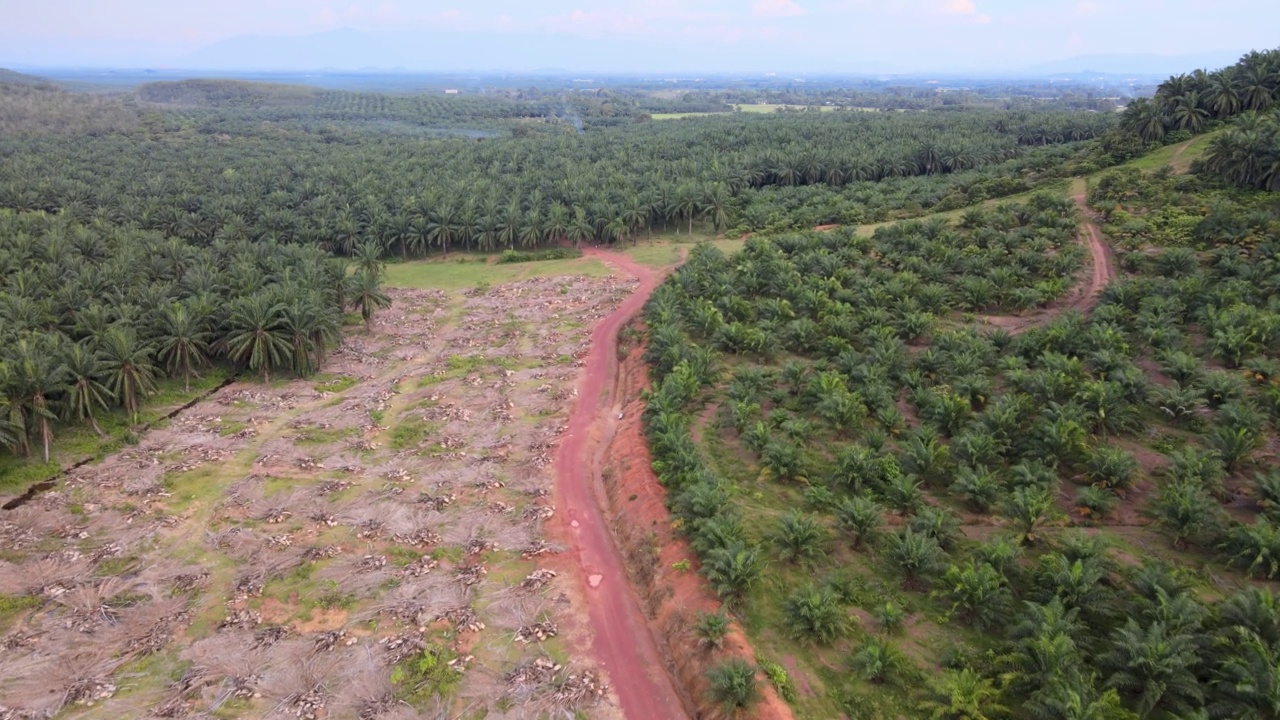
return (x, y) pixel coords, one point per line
(411, 195)
(936, 462)
(92, 316)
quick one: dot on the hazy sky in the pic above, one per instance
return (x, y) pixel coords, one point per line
(927, 33)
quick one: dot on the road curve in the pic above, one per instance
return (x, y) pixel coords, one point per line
(621, 640)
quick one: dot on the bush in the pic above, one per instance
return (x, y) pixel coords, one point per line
(521, 256)
(779, 678)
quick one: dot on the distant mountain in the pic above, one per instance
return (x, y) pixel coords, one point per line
(453, 51)
(17, 78)
(1161, 65)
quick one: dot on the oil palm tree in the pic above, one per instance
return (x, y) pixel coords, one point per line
(34, 381)
(130, 372)
(1146, 119)
(368, 258)
(366, 295)
(258, 336)
(84, 391)
(963, 695)
(183, 341)
(1156, 666)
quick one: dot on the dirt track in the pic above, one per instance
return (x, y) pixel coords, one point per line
(622, 642)
(1084, 298)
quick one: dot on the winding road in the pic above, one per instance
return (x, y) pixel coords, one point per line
(621, 640)
(1085, 297)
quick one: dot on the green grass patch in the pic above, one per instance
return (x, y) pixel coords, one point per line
(426, 675)
(450, 275)
(11, 606)
(335, 383)
(411, 433)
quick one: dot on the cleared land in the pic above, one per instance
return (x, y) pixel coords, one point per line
(365, 544)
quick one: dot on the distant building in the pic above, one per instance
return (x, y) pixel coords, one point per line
(451, 91)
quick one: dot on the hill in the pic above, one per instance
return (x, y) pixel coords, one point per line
(12, 77)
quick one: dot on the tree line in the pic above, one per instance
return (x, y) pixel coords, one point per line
(280, 182)
(93, 315)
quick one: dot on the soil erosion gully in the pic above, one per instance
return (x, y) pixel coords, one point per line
(621, 639)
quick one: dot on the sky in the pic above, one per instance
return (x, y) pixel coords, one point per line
(810, 35)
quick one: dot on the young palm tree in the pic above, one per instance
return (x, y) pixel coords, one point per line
(130, 373)
(733, 570)
(915, 554)
(1027, 508)
(368, 258)
(861, 518)
(258, 337)
(84, 391)
(963, 695)
(733, 685)
(815, 613)
(34, 381)
(183, 342)
(800, 538)
(365, 294)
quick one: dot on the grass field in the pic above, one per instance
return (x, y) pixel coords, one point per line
(1180, 156)
(677, 116)
(471, 270)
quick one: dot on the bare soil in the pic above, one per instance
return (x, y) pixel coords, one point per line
(277, 549)
(664, 568)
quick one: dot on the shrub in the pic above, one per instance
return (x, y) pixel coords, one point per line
(522, 256)
(779, 678)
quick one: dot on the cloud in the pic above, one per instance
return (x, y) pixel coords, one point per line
(1088, 8)
(959, 7)
(776, 9)
(595, 23)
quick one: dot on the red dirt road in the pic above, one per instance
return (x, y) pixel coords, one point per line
(1103, 272)
(621, 640)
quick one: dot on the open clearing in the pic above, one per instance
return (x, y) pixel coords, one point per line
(368, 543)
